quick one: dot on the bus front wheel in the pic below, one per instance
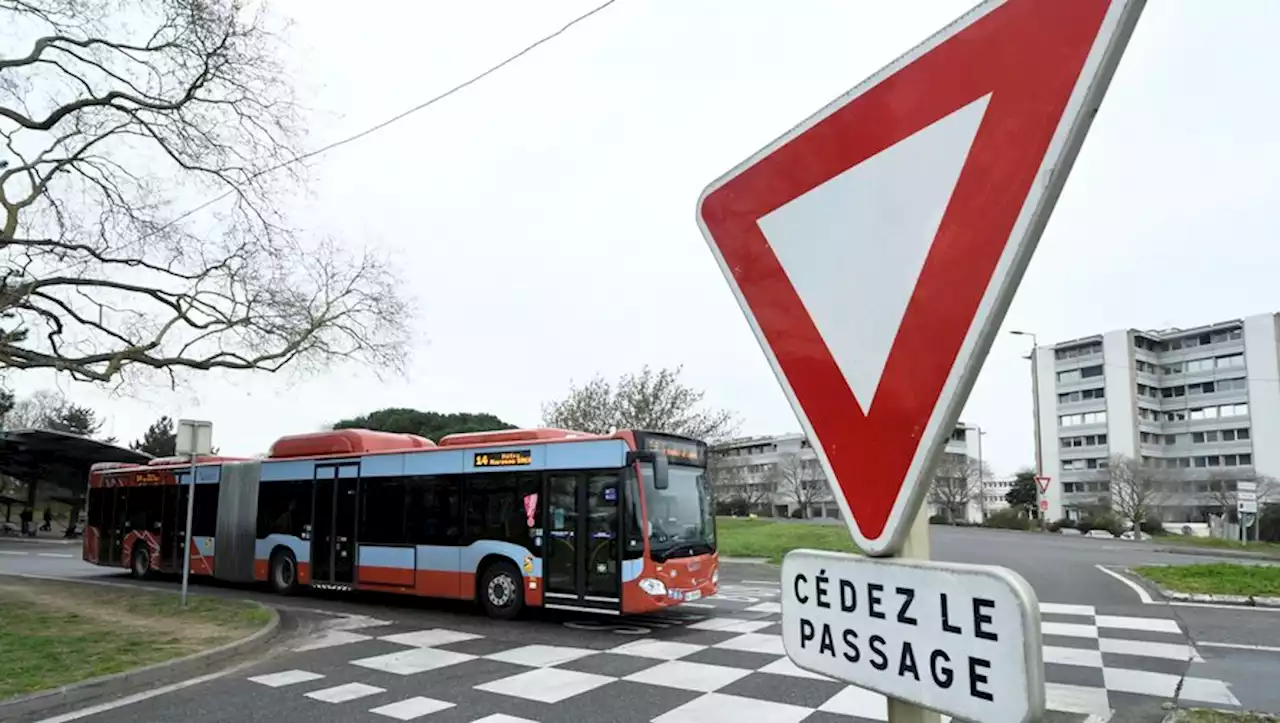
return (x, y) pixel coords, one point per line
(502, 591)
(284, 573)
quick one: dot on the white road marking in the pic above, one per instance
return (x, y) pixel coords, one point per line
(345, 692)
(1153, 625)
(1143, 595)
(1239, 646)
(1063, 609)
(145, 695)
(285, 677)
(54, 554)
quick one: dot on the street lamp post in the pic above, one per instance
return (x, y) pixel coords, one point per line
(982, 475)
(1035, 412)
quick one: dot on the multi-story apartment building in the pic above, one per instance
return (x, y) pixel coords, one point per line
(1198, 408)
(778, 475)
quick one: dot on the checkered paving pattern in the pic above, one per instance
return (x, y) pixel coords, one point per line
(725, 662)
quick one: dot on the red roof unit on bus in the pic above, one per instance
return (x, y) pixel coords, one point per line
(510, 436)
(345, 441)
(104, 466)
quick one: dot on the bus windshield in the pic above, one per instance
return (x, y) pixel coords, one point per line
(681, 518)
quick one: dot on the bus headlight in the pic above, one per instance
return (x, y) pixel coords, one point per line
(715, 576)
(653, 586)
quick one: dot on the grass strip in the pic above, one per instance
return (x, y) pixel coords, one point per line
(1216, 578)
(56, 633)
(772, 539)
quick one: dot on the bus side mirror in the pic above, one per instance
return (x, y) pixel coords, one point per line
(661, 469)
(661, 474)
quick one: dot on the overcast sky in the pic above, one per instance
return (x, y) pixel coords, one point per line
(544, 218)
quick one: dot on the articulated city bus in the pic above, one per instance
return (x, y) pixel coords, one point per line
(613, 524)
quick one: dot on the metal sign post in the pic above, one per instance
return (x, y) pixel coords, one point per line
(916, 547)
(194, 439)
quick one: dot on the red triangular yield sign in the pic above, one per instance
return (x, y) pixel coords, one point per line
(875, 247)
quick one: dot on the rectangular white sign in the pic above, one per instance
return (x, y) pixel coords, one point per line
(963, 640)
(1248, 507)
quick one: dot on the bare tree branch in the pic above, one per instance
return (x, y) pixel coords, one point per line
(653, 400)
(800, 479)
(1136, 490)
(121, 114)
(957, 482)
(734, 485)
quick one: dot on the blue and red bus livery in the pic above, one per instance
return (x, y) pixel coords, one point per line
(615, 524)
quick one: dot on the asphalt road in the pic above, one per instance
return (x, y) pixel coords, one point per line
(1230, 646)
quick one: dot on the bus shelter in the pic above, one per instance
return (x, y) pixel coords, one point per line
(60, 461)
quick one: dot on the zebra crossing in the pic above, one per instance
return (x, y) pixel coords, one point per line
(715, 660)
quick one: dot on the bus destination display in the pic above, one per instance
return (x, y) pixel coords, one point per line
(678, 451)
(513, 458)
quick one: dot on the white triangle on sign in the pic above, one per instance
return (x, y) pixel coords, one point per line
(853, 247)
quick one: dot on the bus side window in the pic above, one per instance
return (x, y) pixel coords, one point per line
(204, 523)
(284, 507)
(495, 510)
(97, 497)
(382, 510)
(433, 509)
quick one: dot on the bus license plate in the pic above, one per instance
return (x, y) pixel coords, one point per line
(693, 595)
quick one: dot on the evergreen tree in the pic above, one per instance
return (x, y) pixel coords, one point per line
(1023, 494)
(160, 439)
(432, 425)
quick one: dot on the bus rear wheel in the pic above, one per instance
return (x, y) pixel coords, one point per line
(283, 573)
(502, 591)
(140, 566)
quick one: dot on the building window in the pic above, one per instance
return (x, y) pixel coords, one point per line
(1233, 410)
(1199, 365)
(1074, 420)
(1231, 385)
(1082, 395)
(1078, 351)
(1230, 361)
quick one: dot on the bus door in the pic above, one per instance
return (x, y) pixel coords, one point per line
(173, 525)
(583, 556)
(335, 509)
(115, 509)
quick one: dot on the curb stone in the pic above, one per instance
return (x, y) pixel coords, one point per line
(1176, 716)
(1257, 601)
(41, 703)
